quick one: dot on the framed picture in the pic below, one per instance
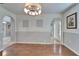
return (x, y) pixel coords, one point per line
(71, 21)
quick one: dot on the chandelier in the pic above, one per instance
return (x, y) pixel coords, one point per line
(32, 9)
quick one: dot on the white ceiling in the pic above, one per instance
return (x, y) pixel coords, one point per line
(18, 8)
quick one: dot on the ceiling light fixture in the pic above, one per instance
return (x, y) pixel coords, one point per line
(32, 9)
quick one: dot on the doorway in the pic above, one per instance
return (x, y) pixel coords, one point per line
(56, 35)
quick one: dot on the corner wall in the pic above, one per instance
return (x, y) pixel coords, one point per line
(71, 36)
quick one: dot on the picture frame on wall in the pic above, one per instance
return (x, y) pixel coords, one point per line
(71, 21)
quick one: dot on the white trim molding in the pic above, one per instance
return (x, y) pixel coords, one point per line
(7, 46)
(34, 42)
(71, 49)
(38, 42)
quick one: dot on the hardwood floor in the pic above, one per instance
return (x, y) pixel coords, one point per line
(0, 53)
(36, 50)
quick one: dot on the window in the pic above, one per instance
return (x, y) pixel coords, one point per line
(39, 23)
(25, 23)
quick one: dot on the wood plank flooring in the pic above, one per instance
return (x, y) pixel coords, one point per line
(0, 53)
(19, 49)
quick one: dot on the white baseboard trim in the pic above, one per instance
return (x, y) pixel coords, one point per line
(27, 43)
(7, 46)
(71, 49)
(34, 43)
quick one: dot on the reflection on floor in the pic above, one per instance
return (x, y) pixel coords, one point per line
(36, 50)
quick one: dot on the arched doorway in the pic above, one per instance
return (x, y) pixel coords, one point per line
(8, 26)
